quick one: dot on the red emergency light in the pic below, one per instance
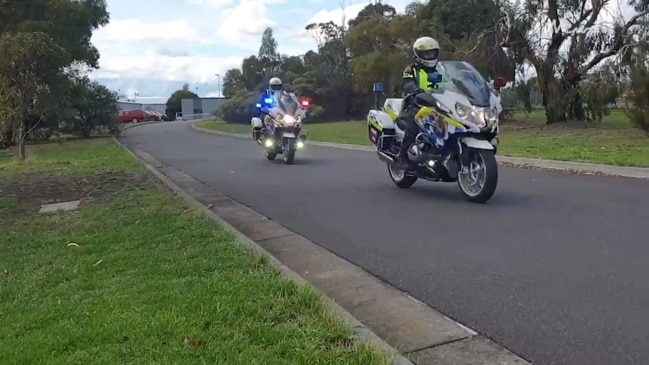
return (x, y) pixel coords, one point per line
(305, 103)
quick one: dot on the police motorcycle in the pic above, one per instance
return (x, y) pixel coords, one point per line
(279, 131)
(458, 128)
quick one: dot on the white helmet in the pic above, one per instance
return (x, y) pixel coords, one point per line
(426, 50)
(275, 84)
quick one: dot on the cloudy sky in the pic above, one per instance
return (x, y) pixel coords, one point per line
(154, 46)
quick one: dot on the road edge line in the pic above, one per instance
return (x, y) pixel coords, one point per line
(519, 162)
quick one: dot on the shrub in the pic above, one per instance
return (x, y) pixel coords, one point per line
(598, 92)
(238, 109)
(637, 98)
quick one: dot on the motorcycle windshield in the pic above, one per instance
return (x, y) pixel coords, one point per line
(285, 104)
(461, 77)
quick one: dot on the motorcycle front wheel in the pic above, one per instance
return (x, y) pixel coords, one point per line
(289, 152)
(478, 184)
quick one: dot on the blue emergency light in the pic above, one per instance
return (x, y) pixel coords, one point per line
(268, 101)
(258, 105)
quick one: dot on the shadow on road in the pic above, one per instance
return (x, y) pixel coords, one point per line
(304, 161)
(450, 192)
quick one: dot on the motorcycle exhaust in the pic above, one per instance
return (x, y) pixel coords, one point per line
(385, 157)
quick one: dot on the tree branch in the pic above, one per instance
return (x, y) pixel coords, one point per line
(40, 119)
(620, 42)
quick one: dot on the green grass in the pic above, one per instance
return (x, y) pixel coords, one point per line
(616, 119)
(75, 156)
(7, 204)
(138, 277)
(354, 132)
(613, 141)
(611, 147)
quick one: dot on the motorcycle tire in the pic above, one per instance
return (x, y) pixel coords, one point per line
(400, 179)
(289, 152)
(490, 181)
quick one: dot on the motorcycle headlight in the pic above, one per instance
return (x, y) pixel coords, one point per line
(491, 115)
(289, 119)
(462, 110)
(470, 114)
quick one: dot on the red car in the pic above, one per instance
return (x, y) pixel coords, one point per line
(135, 116)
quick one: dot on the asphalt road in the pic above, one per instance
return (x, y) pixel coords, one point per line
(555, 267)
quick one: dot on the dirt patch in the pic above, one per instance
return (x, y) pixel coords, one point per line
(29, 191)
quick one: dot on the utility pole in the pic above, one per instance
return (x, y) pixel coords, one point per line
(218, 85)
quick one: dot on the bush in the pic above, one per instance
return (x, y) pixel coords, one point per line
(315, 114)
(240, 109)
(637, 98)
(91, 124)
(598, 92)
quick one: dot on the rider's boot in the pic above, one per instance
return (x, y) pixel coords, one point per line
(402, 161)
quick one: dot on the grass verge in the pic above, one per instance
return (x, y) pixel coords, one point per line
(612, 142)
(136, 276)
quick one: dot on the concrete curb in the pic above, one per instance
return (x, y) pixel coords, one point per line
(360, 331)
(383, 316)
(133, 125)
(524, 162)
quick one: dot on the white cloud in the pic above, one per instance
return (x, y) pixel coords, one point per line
(245, 22)
(336, 15)
(137, 30)
(142, 47)
(128, 61)
(346, 13)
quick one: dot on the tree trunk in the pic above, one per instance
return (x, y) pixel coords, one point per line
(553, 102)
(6, 140)
(22, 154)
(575, 108)
(561, 99)
(20, 141)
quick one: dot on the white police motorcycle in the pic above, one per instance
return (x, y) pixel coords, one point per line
(458, 128)
(280, 130)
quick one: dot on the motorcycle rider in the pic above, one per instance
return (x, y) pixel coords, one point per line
(275, 88)
(415, 80)
(276, 92)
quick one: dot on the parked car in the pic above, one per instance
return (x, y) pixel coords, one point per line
(159, 115)
(135, 116)
(154, 115)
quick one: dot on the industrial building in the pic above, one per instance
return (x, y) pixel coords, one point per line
(202, 106)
